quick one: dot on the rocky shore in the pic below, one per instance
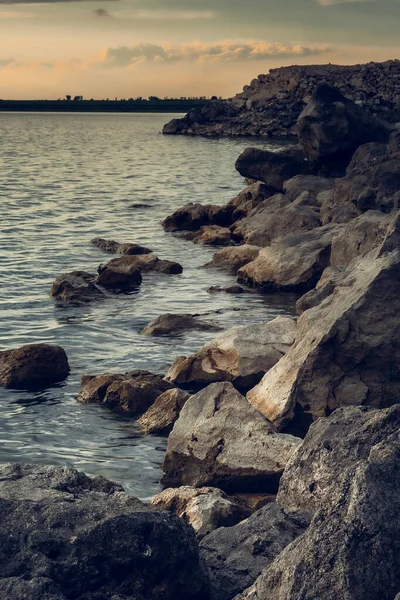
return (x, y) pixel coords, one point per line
(281, 473)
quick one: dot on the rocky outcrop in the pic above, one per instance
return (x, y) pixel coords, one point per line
(220, 440)
(236, 556)
(272, 168)
(65, 536)
(193, 216)
(231, 259)
(249, 198)
(205, 509)
(272, 103)
(35, 366)
(241, 355)
(307, 190)
(77, 287)
(130, 393)
(118, 248)
(127, 265)
(330, 278)
(170, 324)
(163, 413)
(347, 472)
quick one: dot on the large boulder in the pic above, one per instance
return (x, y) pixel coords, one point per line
(120, 248)
(66, 536)
(241, 355)
(192, 216)
(170, 324)
(272, 168)
(343, 354)
(77, 287)
(35, 366)
(163, 413)
(220, 440)
(307, 190)
(331, 128)
(250, 198)
(235, 556)
(293, 263)
(130, 393)
(330, 278)
(349, 475)
(231, 259)
(205, 509)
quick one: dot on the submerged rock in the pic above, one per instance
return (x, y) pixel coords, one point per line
(118, 248)
(229, 289)
(65, 535)
(272, 168)
(34, 366)
(172, 323)
(130, 393)
(77, 287)
(163, 413)
(221, 440)
(205, 509)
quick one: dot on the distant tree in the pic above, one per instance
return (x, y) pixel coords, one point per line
(154, 98)
(214, 98)
(78, 98)
(68, 97)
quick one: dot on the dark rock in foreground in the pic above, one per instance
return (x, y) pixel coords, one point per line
(170, 324)
(77, 287)
(35, 366)
(65, 536)
(118, 248)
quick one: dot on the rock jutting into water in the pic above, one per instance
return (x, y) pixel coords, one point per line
(171, 324)
(77, 287)
(35, 366)
(164, 411)
(118, 248)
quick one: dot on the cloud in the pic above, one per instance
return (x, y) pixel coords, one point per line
(174, 15)
(124, 56)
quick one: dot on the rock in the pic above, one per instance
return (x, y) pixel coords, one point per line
(330, 278)
(35, 366)
(272, 168)
(77, 287)
(119, 277)
(291, 264)
(118, 248)
(128, 269)
(213, 235)
(205, 509)
(331, 128)
(236, 556)
(351, 547)
(170, 324)
(312, 185)
(273, 218)
(128, 393)
(220, 440)
(343, 354)
(192, 216)
(163, 413)
(241, 355)
(230, 289)
(231, 259)
(249, 199)
(65, 535)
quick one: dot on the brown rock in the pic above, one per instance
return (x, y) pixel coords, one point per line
(35, 366)
(127, 268)
(118, 248)
(161, 415)
(272, 168)
(192, 216)
(231, 259)
(77, 287)
(230, 289)
(330, 278)
(213, 235)
(170, 324)
(249, 199)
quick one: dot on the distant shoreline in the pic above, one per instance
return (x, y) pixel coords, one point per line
(124, 106)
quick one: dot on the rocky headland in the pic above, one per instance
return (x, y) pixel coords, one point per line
(281, 473)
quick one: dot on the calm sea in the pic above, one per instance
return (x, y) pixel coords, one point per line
(64, 179)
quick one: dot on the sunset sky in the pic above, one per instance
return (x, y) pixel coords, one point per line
(129, 48)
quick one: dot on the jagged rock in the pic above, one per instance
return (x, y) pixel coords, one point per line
(170, 324)
(65, 535)
(125, 272)
(350, 550)
(292, 263)
(331, 128)
(161, 415)
(33, 366)
(128, 393)
(221, 440)
(306, 190)
(192, 216)
(241, 355)
(272, 168)
(236, 556)
(230, 289)
(118, 248)
(250, 198)
(343, 354)
(213, 235)
(231, 259)
(77, 288)
(273, 218)
(330, 278)
(205, 509)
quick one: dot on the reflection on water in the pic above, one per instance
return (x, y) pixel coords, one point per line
(65, 179)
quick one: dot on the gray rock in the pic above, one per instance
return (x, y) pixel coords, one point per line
(35, 366)
(170, 324)
(250, 198)
(163, 413)
(330, 278)
(272, 168)
(77, 287)
(294, 188)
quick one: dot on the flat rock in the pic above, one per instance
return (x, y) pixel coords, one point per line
(129, 393)
(163, 413)
(214, 235)
(220, 440)
(205, 509)
(236, 556)
(241, 355)
(272, 168)
(120, 248)
(77, 287)
(170, 324)
(192, 216)
(65, 535)
(231, 259)
(143, 264)
(35, 366)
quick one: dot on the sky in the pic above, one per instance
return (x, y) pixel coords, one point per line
(131, 48)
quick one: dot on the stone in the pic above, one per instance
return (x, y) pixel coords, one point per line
(213, 235)
(331, 128)
(118, 248)
(205, 508)
(129, 393)
(343, 354)
(241, 355)
(229, 289)
(330, 278)
(77, 287)
(234, 257)
(220, 440)
(236, 556)
(65, 535)
(250, 198)
(272, 168)
(291, 264)
(119, 277)
(295, 188)
(192, 216)
(35, 366)
(143, 264)
(170, 324)
(163, 413)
